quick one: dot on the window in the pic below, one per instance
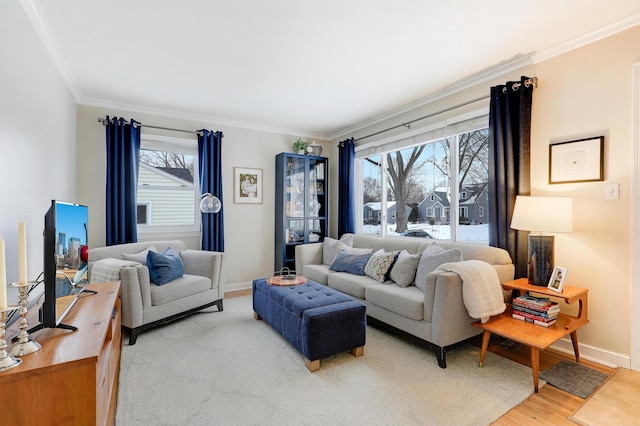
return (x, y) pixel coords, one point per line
(142, 214)
(415, 174)
(167, 196)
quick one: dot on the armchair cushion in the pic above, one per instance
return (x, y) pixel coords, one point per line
(184, 286)
(164, 267)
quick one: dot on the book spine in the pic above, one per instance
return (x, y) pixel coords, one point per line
(541, 314)
(526, 319)
(541, 301)
(553, 307)
(533, 316)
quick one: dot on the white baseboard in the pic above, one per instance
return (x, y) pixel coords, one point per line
(237, 286)
(594, 354)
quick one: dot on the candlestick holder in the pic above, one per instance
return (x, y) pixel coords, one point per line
(24, 345)
(7, 361)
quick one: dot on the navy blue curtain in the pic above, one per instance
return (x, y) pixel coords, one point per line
(210, 163)
(346, 197)
(509, 169)
(123, 153)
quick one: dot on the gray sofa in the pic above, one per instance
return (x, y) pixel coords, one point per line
(437, 316)
(145, 304)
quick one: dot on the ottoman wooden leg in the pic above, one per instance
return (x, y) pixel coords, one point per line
(359, 351)
(256, 316)
(312, 365)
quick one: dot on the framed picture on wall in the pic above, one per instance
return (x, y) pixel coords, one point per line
(577, 161)
(247, 185)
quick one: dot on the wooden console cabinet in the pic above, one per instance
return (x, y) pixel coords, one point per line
(73, 378)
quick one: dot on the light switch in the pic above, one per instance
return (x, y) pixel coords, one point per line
(612, 191)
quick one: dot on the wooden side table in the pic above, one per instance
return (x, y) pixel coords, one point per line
(535, 336)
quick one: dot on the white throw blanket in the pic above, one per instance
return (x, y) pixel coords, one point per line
(481, 290)
(106, 270)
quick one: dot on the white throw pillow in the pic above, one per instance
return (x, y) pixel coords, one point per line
(379, 265)
(403, 271)
(139, 257)
(330, 249)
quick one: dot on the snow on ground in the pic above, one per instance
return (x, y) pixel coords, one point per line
(467, 233)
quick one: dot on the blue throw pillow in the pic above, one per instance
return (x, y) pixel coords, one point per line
(164, 267)
(351, 263)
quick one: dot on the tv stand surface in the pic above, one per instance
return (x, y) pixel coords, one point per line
(73, 378)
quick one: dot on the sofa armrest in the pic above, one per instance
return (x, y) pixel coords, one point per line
(308, 254)
(450, 319)
(136, 294)
(204, 263)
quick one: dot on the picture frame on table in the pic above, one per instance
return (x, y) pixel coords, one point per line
(247, 185)
(580, 160)
(558, 276)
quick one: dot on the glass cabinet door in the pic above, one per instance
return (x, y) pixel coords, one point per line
(294, 187)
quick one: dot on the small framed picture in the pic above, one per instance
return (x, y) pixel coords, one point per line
(557, 279)
(247, 185)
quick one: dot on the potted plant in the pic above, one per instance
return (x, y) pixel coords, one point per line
(299, 146)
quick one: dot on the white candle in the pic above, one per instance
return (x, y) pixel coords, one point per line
(3, 277)
(22, 253)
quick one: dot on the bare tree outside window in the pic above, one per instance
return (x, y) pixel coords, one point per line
(418, 183)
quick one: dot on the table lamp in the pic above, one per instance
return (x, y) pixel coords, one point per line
(538, 215)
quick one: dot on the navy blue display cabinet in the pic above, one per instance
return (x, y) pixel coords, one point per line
(302, 204)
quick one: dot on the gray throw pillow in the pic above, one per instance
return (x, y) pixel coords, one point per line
(429, 263)
(403, 271)
(330, 249)
(139, 257)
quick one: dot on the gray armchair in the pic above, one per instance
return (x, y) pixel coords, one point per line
(145, 304)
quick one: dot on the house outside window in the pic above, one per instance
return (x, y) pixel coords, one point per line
(168, 192)
(419, 171)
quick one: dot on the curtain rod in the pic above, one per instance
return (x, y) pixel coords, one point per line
(516, 86)
(104, 122)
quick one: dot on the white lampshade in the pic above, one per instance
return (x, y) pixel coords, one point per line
(543, 214)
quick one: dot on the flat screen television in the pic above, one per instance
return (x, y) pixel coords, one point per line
(65, 261)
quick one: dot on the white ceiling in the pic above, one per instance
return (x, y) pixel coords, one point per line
(306, 67)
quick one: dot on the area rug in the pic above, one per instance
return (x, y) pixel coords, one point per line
(228, 368)
(614, 403)
(574, 378)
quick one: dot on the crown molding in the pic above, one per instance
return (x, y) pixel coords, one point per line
(469, 81)
(51, 47)
(588, 38)
(498, 70)
(219, 121)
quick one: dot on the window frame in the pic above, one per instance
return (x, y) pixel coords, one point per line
(451, 128)
(178, 145)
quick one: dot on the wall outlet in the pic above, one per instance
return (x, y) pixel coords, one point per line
(612, 191)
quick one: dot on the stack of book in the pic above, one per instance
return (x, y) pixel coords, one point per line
(538, 310)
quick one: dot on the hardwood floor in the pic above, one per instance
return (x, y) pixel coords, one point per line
(550, 406)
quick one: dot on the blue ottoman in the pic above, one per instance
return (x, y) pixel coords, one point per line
(317, 320)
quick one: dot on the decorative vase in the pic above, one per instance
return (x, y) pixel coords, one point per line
(301, 151)
(314, 149)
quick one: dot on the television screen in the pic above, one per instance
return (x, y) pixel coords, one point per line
(65, 260)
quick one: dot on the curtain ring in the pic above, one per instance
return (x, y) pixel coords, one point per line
(515, 87)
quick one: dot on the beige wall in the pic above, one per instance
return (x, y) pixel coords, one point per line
(582, 93)
(249, 228)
